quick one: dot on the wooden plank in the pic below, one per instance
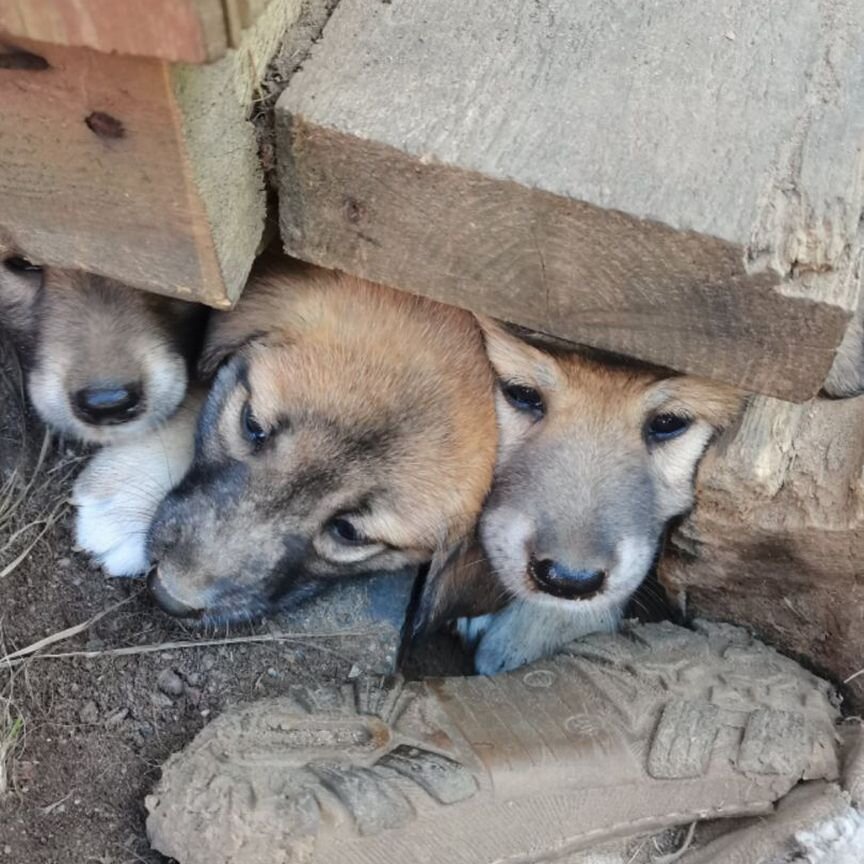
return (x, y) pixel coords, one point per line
(193, 31)
(777, 538)
(679, 182)
(137, 169)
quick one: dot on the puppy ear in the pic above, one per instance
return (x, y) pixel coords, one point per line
(254, 318)
(220, 344)
(511, 357)
(719, 404)
(267, 306)
(458, 583)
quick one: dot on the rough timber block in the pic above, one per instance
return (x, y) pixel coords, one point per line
(134, 168)
(675, 181)
(777, 538)
(193, 31)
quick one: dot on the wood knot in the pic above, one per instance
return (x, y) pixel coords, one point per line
(18, 58)
(104, 125)
(354, 210)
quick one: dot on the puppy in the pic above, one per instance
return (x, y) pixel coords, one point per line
(594, 461)
(350, 428)
(103, 362)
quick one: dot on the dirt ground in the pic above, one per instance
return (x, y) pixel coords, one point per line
(82, 737)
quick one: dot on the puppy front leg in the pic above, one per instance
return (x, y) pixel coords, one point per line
(116, 496)
(526, 631)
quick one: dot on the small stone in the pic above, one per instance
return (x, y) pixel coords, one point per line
(170, 683)
(160, 700)
(117, 718)
(272, 672)
(208, 662)
(89, 713)
(94, 644)
(354, 672)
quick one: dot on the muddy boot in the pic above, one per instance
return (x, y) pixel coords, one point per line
(813, 823)
(623, 734)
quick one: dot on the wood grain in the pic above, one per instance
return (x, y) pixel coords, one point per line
(137, 169)
(676, 182)
(191, 31)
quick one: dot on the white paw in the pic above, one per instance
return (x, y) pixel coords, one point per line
(501, 647)
(524, 632)
(116, 496)
(113, 533)
(471, 630)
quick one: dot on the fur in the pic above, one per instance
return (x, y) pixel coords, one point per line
(77, 331)
(378, 411)
(582, 486)
(118, 493)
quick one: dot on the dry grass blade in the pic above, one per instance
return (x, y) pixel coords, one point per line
(47, 524)
(11, 731)
(22, 654)
(853, 676)
(685, 845)
(10, 502)
(31, 651)
(11, 734)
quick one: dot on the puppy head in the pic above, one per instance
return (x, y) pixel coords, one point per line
(104, 362)
(350, 428)
(594, 460)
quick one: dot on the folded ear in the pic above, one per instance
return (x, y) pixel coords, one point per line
(269, 305)
(221, 343)
(458, 583)
(511, 357)
(718, 404)
(257, 314)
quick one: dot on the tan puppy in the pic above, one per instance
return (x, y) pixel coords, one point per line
(104, 362)
(351, 428)
(594, 460)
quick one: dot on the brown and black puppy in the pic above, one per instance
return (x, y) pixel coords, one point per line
(103, 362)
(594, 460)
(350, 428)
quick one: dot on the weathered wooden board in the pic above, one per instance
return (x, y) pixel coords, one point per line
(134, 168)
(776, 541)
(192, 31)
(677, 181)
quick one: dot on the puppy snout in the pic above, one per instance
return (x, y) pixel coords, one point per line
(108, 405)
(556, 579)
(167, 600)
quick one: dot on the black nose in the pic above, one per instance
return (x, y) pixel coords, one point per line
(108, 406)
(560, 581)
(167, 601)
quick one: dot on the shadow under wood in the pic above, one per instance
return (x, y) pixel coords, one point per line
(19, 437)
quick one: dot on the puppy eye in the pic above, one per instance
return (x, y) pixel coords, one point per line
(345, 531)
(523, 398)
(18, 264)
(662, 427)
(252, 429)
